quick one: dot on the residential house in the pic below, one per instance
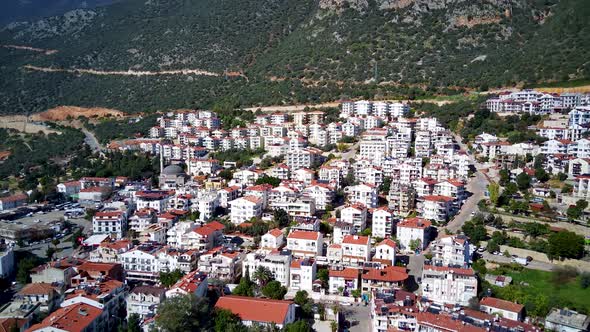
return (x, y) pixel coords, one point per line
(305, 244)
(262, 312)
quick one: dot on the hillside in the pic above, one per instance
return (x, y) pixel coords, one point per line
(25, 10)
(284, 51)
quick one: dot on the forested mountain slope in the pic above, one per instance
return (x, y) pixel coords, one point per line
(276, 51)
(23, 10)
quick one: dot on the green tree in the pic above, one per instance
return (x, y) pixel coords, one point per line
(541, 175)
(281, 218)
(305, 302)
(50, 252)
(565, 244)
(245, 287)
(298, 326)
(493, 247)
(133, 323)
(323, 275)
(24, 267)
(356, 293)
(227, 321)
(504, 177)
(170, 278)
(263, 275)
(479, 266)
(273, 181)
(334, 326)
(523, 181)
(494, 190)
(475, 230)
(415, 244)
(274, 290)
(183, 313)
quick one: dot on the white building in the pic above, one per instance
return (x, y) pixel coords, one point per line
(452, 250)
(437, 208)
(413, 229)
(365, 194)
(383, 222)
(302, 275)
(356, 215)
(506, 309)
(356, 249)
(273, 239)
(449, 285)
(112, 223)
(385, 252)
(305, 243)
(277, 263)
(245, 208)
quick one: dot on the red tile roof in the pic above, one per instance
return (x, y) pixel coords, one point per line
(304, 235)
(39, 288)
(346, 273)
(388, 242)
(501, 304)
(275, 232)
(415, 223)
(73, 318)
(389, 274)
(356, 239)
(256, 309)
(444, 323)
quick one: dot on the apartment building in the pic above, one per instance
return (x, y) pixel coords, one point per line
(366, 194)
(243, 209)
(302, 274)
(356, 249)
(448, 285)
(437, 208)
(383, 222)
(355, 215)
(452, 250)
(112, 223)
(305, 244)
(413, 229)
(278, 263)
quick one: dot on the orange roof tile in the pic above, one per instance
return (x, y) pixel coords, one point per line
(74, 318)
(304, 235)
(415, 223)
(346, 273)
(356, 239)
(501, 304)
(256, 309)
(389, 274)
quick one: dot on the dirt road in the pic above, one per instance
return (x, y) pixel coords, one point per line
(122, 72)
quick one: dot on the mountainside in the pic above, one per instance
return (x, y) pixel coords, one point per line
(22, 10)
(140, 55)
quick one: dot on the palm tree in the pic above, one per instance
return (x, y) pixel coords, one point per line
(263, 275)
(334, 326)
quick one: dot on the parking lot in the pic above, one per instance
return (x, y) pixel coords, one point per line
(358, 315)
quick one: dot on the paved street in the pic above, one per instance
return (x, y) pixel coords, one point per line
(360, 314)
(477, 187)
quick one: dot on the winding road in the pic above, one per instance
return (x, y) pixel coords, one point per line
(92, 141)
